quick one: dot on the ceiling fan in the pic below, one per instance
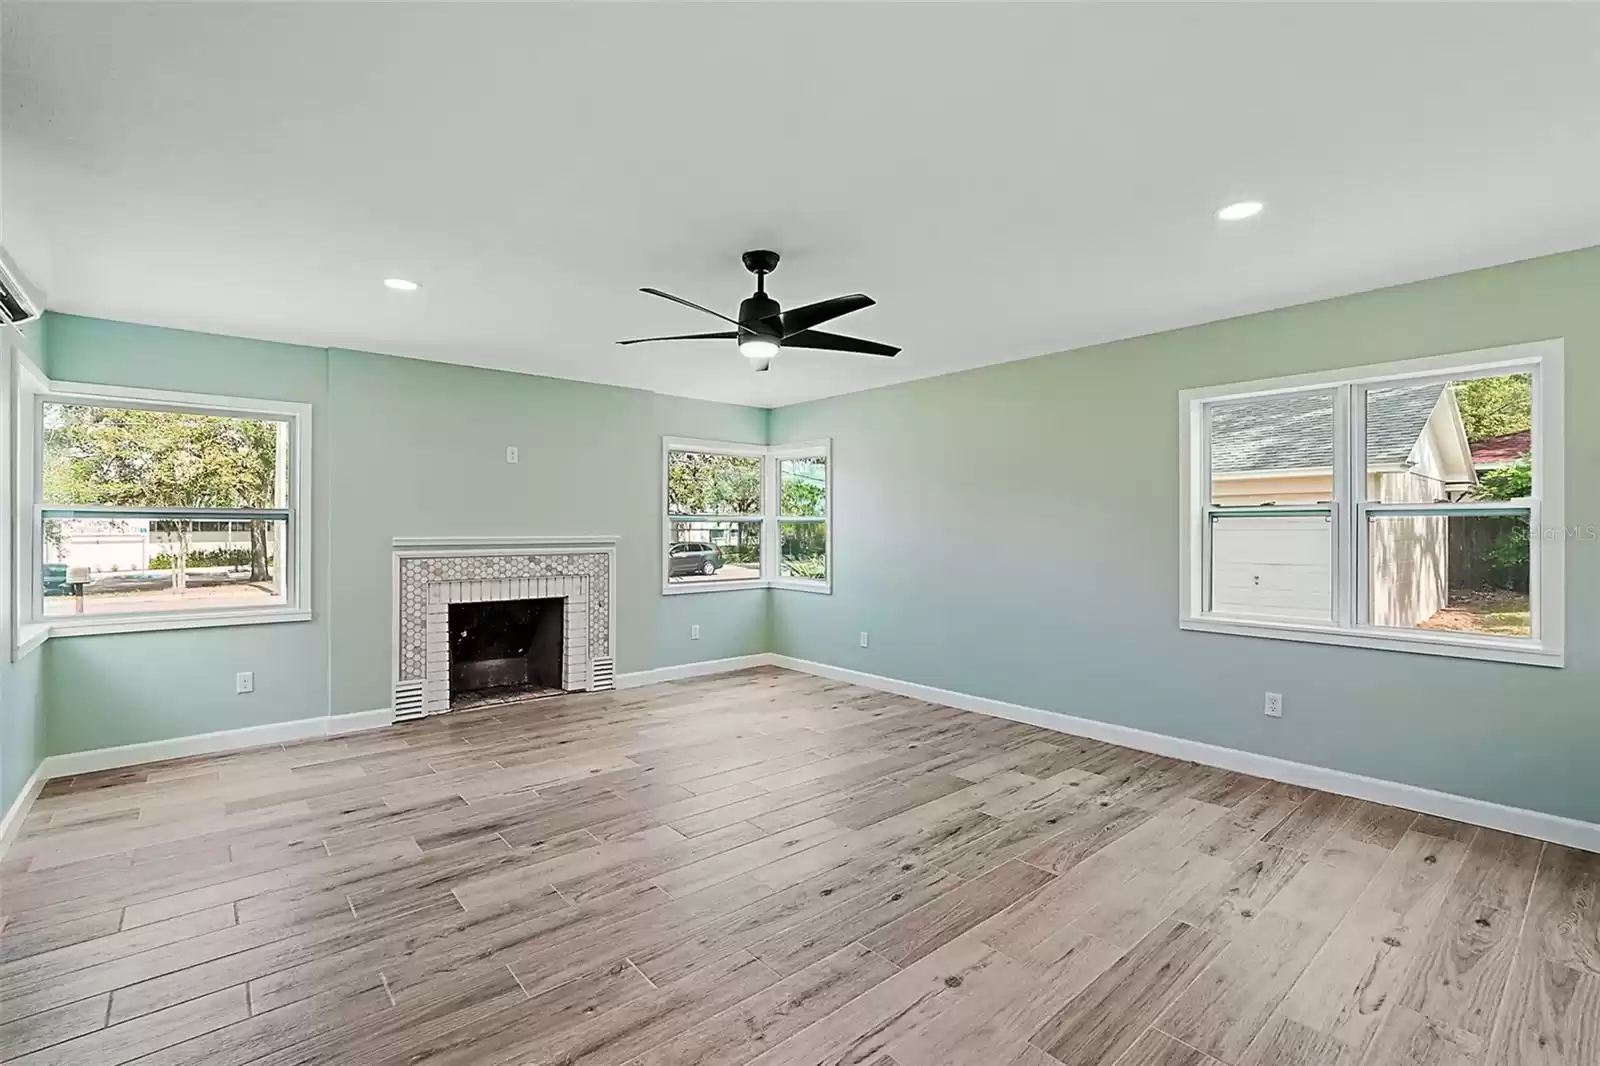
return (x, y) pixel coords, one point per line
(763, 327)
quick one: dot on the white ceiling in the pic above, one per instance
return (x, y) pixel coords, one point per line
(1005, 180)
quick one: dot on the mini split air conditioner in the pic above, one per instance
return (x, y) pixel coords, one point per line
(19, 301)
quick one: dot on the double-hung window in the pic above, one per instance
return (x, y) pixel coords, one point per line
(803, 542)
(156, 510)
(745, 516)
(1413, 506)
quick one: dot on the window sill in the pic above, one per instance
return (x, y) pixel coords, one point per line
(97, 626)
(819, 588)
(1488, 649)
(816, 587)
(725, 586)
(30, 636)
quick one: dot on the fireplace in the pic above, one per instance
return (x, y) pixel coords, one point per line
(504, 650)
(570, 578)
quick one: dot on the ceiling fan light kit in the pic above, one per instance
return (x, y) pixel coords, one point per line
(763, 327)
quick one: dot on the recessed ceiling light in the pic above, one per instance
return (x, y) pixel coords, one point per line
(400, 284)
(1239, 211)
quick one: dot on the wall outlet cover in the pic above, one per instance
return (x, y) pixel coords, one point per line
(244, 681)
(694, 632)
(1274, 706)
(511, 455)
(863, 638)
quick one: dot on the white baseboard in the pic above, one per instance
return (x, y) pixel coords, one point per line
(359, 721)
(88, 762)
(699, 669)
(1551, 827)
(12, 822)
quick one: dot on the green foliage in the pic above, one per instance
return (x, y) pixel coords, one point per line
(135, 458)
(122, 456)
(700, 483)
(1512, 482)
(1507, 556)
(803, 487)
(236, 557)
(811, 569)
(804, 548)
(1491, 407)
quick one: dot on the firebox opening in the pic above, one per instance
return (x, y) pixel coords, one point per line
(504, 650)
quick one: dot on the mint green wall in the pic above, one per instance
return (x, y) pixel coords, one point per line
(1009, 532)
(590, 459)
(22, 726)
(419, 450)
(123, 688)
(22, 718)
(1012, 532)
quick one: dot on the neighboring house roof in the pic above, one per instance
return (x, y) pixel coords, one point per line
(1502, 450)
(1294, 431)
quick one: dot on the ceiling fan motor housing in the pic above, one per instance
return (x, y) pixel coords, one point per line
(758, 318)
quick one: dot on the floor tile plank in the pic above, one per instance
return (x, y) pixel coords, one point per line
(773, 867)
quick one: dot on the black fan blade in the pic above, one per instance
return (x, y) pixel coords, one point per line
(803, 318)
(686, 303)
(833, 342)
(684, 337)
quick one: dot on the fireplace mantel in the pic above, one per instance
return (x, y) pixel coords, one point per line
(447, 543)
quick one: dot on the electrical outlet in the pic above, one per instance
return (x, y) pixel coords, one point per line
(511, 455)
(694, 632)
(1274, 708)
(863, 638)
(244, 681)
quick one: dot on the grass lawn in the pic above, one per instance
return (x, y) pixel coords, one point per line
(1499, 612)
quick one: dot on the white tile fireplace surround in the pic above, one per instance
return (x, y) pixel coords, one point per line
(431, 574)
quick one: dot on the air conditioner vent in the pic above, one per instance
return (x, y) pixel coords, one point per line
(408, 701)
(602, 674)
(18, 302)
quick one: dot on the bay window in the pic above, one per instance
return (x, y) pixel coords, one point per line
(745, 516)
(1413, 506)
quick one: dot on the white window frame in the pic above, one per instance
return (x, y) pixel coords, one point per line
(34, 627)
(1350, 511)
(768, 517)
(775, 454)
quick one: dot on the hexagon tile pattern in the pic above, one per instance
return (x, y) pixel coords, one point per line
(417, 573)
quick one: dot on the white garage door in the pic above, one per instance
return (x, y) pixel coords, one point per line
(1278, 567)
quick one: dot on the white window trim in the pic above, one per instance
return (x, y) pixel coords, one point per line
(1547, 582)
(769, 517)
(809, 450)
(33, 628)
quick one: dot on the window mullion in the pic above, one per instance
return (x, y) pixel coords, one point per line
(1201, 481)
(1349, 427)
(771, 494)
(1535, 543)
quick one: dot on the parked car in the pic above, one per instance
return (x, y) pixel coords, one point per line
(55, 579)
(690, 557)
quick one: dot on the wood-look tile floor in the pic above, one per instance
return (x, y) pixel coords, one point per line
(767, 867)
